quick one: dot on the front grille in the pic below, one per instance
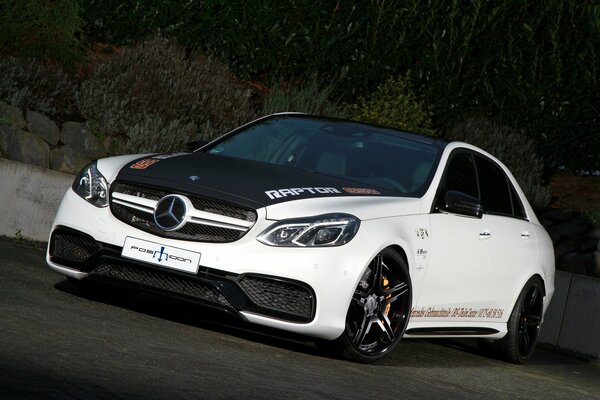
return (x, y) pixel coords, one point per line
(201, 232)
(71, 246)
(159, 280)
(280, 296)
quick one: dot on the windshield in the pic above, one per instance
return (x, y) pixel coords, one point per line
(378, 157)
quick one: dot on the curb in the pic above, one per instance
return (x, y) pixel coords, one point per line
(571, 322)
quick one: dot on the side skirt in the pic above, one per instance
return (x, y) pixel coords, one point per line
(451, 331)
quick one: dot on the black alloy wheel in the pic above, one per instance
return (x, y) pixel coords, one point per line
(524, 323)
(379, 310)
(523, 326)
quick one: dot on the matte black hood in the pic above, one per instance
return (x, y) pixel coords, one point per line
(250, 183)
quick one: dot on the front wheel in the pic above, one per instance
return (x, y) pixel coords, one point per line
(379, 310)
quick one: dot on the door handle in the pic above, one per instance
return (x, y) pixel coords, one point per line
(525, 235)
(485, 235)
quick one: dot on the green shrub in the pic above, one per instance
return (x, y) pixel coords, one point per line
(126, 22)
(43, 29)
(289, 39)
(536, 63)
(593, 215)
(310, 98)
(34, 85)
(160, 97)
(395, 105)
(511, 146)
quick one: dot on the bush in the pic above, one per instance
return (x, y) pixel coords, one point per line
(159, 97)
(393, 104)
(34, 85)
(43, 29)
(593, 215)
(126, 22)
(287, 39)
(511, 146)
(533, 63)
(309, 98)
(536, 63)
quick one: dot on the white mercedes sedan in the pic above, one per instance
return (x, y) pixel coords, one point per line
(353, 234)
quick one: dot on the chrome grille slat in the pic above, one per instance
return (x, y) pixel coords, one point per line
(133, 205)
(202, 221)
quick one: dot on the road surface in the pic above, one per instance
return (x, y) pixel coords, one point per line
(59, 343)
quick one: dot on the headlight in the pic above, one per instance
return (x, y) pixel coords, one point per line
(321, 230)
(91, 186)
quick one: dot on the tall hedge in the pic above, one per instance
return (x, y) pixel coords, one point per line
(44, 29)
(534, 64)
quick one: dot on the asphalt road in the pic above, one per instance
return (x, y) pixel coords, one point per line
(57, 343)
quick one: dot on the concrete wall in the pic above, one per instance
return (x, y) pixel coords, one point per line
(572, 321)
(29, 198)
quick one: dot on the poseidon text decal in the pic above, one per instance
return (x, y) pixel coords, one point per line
(279, 193)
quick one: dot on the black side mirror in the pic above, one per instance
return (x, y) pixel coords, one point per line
(461, 203)
(191, 146)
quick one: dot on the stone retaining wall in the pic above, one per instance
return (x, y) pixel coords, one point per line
(33, 138)
(576, 241)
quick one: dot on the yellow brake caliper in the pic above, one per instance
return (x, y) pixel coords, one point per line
(387, 308)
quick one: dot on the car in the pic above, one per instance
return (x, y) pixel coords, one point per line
(349, 233)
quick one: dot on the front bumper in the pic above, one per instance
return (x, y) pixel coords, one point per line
(302, 290)
(269, 296)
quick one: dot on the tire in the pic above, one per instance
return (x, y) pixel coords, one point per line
(379, 310)
(523, 326)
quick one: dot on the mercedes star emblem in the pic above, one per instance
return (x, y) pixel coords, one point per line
(170, 212)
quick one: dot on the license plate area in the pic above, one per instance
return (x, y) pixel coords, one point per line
(161, 255)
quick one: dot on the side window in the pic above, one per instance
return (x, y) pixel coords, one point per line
(518, 209)
(496, 197)
(460, 176)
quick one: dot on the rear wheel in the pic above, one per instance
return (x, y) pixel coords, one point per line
(523, 326)
(379, 310)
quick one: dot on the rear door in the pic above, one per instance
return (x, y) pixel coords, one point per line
(513, 245)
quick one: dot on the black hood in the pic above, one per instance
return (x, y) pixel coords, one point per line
(249, 183)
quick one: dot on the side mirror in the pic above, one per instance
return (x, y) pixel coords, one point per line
(191, 146)
(461, 203)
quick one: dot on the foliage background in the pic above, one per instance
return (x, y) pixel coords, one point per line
(44, 29)
(531, 65)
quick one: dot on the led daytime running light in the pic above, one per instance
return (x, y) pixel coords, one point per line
(318, 231)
